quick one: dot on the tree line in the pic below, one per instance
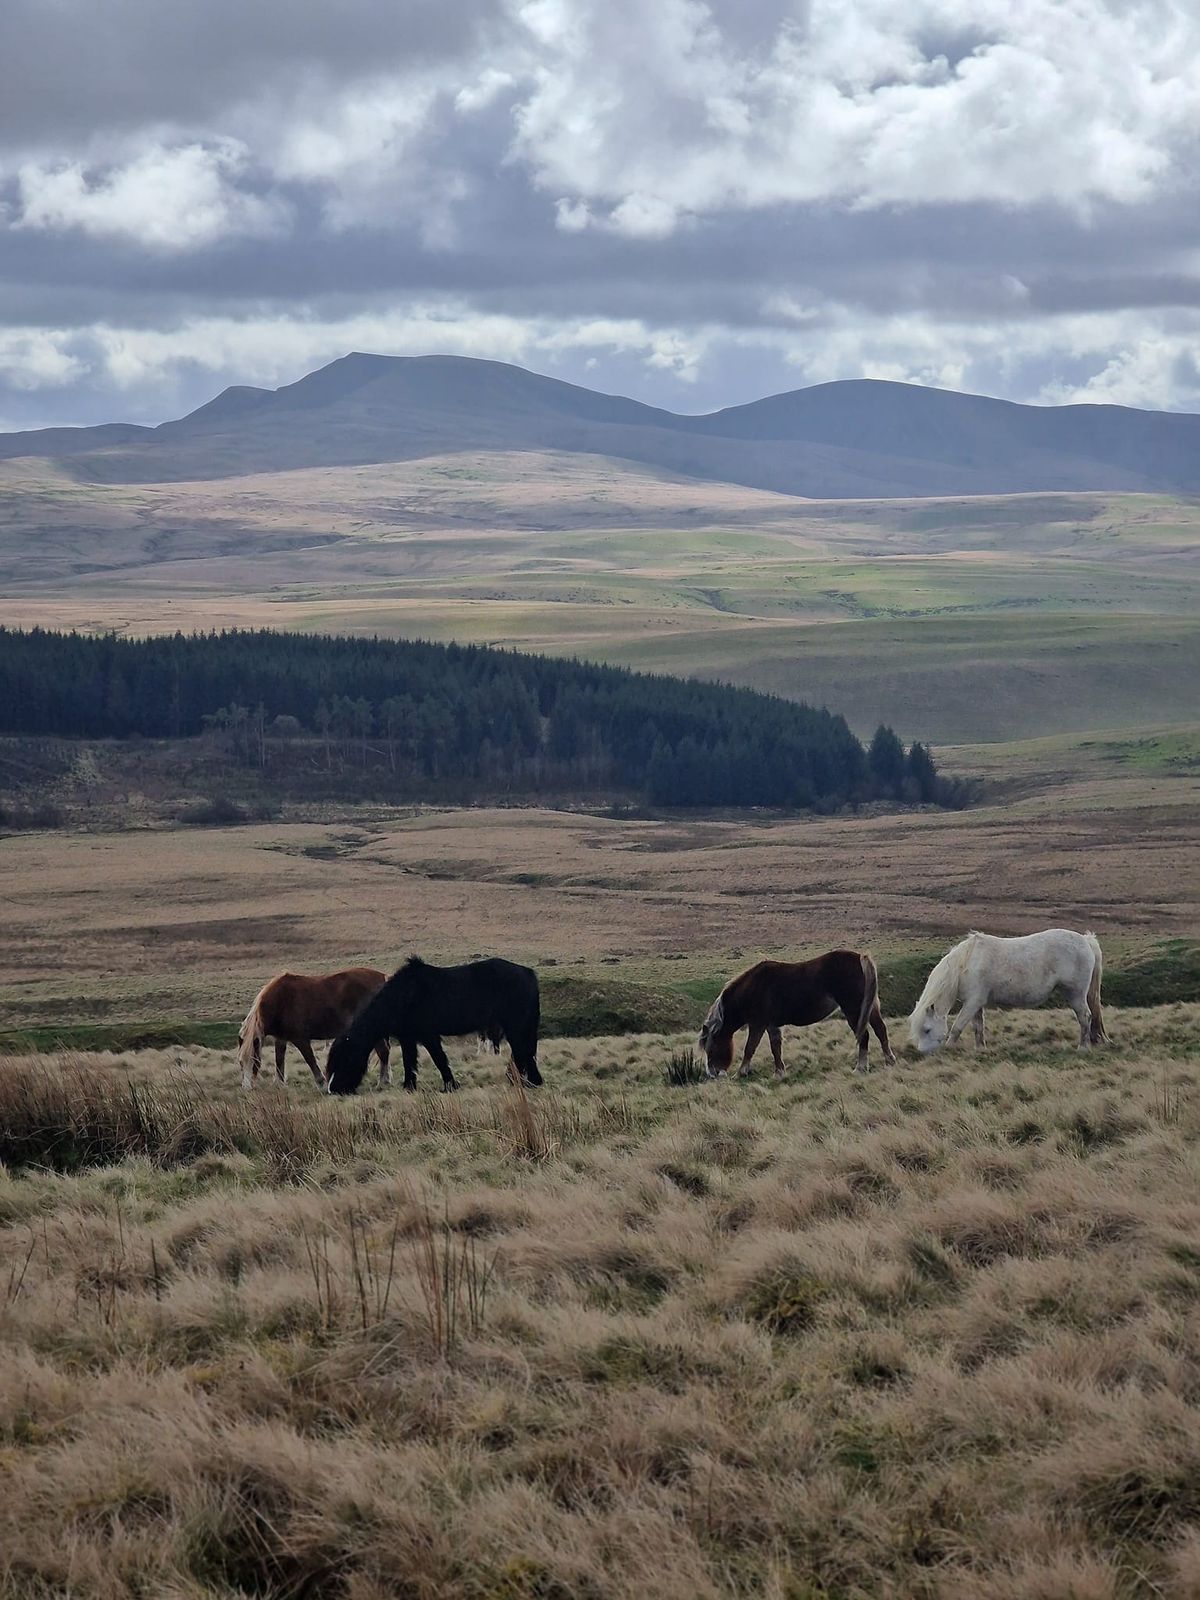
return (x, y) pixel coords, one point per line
(424, 720)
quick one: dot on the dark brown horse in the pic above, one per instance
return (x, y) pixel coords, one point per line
(293, 1009)
(773, 993)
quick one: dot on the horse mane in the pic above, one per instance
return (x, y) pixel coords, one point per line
(716, 1012)
(941, 986)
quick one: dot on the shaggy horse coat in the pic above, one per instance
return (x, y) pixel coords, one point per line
(773, 993)
(986, 970)
(420, 1003)
(293, 1009)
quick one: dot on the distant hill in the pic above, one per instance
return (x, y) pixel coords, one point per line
(847, 440)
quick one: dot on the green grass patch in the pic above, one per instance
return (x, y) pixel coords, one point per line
(1176, 750)
(117, 1036)
(582, 1007)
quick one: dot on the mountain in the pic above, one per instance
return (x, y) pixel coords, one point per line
(845, 440)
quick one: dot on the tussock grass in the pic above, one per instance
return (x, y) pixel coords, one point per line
(934, 1332)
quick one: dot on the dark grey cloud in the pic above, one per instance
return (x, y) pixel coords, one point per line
(78, 68)
(695, 204)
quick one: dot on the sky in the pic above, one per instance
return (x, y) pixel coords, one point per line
(694, 204)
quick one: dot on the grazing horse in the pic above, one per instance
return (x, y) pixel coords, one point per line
(768, 995)
(295, 1010)
(420, 1003)
(986, 970)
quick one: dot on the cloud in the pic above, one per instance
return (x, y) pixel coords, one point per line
(695, 202)
(164, 199)
(653, 114)
(282, 349)
(38, 359)
(1101, 357)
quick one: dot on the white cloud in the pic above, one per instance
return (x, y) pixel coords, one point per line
(38, 358)
(372, 126)
(486, 89)
(1138, 375)
(166, 198)
(274, 350)
(968, 161)
(1117, 357)
(649, 114)
(1131, 358)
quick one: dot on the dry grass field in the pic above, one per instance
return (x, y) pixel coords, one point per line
(159, 923)
(934, 1332)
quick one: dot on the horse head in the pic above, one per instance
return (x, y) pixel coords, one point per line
(346, 1065)
(716, 1043)
(927, 1029)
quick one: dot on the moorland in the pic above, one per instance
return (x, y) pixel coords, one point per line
(932, 1332)
(1039, 591)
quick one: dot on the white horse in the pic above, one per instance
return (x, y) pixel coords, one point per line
(985, 970)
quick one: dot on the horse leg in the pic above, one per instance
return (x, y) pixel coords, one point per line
(1083, 1015)
(880, 1031)
(775, 1040)
(280, 1052)
(440, 1061)
(862, 1064)
(753, 1040)
(968, 1011)
(876, 1023)
(980, 1035)
(408, 1053)
(383, 1051)
(524, 1054)
(306, 1050)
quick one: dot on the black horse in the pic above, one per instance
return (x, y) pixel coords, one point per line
(420, 1003)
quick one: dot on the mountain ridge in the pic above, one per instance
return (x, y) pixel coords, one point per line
(848, 439)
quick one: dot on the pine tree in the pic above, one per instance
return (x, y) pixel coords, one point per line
(886, 762)
(923, 772)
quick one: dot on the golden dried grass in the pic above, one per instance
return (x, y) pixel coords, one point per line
(935, 1332)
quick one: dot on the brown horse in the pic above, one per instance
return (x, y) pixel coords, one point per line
(771, 993)
(293, 1009)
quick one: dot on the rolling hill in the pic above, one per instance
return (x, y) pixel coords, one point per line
(443, 498)
(846, 440)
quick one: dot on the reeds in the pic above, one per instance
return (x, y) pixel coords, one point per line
(453, 1276)
(684, 1067)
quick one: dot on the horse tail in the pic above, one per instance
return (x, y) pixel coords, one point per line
(870, 995)
(253, 1031)
(1098, 1035)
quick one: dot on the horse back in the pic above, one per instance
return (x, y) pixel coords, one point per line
(299, 1006)
(470, 998)
(796, 993)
